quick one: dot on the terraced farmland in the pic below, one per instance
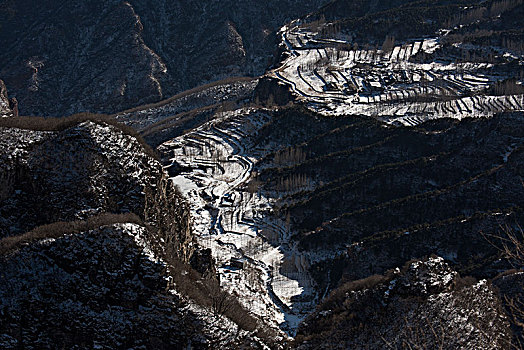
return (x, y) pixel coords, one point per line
(396, 85)
(217, 161)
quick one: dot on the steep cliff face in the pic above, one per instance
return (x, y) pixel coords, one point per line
(62, 58)
(85, 170)
(6, 105)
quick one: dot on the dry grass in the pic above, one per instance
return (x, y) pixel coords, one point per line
(58, 229)
(207, 292)
(510, 244)
(187, 93)
(176, 120)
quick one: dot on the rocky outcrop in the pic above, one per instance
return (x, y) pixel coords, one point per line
(167, 213)
(203, 262)
(13, 105)
(96, 289)
(426, 305)
(6, 105)
(271, 91)
(86, 170)
(15, 145)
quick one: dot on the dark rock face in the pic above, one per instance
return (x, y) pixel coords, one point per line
(83, 55)
(88, 290)
(106, 56)
(203, 262)
(421, 305)
(13, 105)
(83, 171)
(6, 106)
(273, 92)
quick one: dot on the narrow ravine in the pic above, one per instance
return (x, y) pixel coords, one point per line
(218, 163)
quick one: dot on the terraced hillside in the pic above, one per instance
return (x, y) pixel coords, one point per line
(363, 198)
(379, 157)
(361, 193)
(212, 165)
(458, 72)
(159, 121)
(306, 202)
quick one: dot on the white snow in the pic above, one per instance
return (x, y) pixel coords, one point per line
(184, 184)
(388, 85)
(235, 223)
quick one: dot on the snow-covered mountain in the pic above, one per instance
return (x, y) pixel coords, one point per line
(361, 188)
(97, 249)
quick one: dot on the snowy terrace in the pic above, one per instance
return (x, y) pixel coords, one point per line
(237, 224)
(336, 78)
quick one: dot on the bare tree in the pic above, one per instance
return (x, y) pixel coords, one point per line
(511, 244)
(388, 44)
(221, 301)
